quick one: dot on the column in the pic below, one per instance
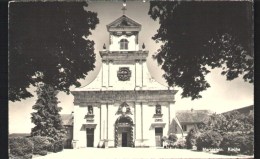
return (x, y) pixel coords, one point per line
(103, 121)
(142, 122)
(109, 74)
(138, 74)
(107, 121)
(76, 127)
(104, 73)
(169, 116)
(138, 123)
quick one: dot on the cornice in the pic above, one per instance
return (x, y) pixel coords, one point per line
(124, 56)
(81, 97)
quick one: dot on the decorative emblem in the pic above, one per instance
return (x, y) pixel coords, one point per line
(124, 74)
(124, 109)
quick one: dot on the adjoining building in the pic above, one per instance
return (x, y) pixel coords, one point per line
(67, 120)
(124, 106)
(190, 119)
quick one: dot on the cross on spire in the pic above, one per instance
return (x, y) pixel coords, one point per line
(124, 7)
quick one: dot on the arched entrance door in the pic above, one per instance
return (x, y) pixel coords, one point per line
(124, 132)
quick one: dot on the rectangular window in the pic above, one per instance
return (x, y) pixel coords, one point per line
(123, 44)
(184, 127)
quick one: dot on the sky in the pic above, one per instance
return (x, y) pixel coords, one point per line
(220, 97)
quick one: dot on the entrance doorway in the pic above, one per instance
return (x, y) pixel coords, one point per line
(90, 137)
(158, 137)
(124, 132)
(124, 139)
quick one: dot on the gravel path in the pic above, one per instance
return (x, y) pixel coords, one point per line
(130, 153)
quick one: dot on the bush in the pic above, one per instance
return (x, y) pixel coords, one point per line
(191, 139)
(208, 139)
(20, 147)
(181, 143)
(42, 144)
(29, 156)
(43, 153)
(58, 146)
(172, 138)
(164, 138)
(248, 144)
(243, 142)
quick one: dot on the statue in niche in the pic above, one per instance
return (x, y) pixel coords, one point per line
(158, 109)
(90, 110)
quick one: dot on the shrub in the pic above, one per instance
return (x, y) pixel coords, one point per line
(21, 147)
(43, 153)
(243, 142)
(172, 138)
(164, 138)
(248, 144)
(181, 143)
(58, 146)
(191, 139)
(29, 156)
(208, 139)
(42, 144)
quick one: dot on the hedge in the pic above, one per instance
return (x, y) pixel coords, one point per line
(181, 143)
(42, 144)
(20, 147)
(243, 142)
(208, 139)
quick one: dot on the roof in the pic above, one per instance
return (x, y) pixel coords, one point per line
(67, 119)
(124, 23)
(193, 116)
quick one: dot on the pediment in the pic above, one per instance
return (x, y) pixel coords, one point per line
(124, 109)
(124, 22)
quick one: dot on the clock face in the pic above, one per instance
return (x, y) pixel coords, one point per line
(124, 74)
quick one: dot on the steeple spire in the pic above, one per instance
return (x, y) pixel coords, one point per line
(124, 7)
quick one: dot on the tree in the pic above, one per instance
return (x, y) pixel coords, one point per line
(191, 138)
(47, 118)
(231, 122)
(208, 139)
(196, 36)
(48, 43)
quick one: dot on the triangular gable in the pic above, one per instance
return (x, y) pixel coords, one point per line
(124, 22)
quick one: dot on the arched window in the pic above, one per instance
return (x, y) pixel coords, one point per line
(123, 44)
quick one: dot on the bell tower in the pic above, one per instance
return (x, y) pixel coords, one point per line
(123, 60)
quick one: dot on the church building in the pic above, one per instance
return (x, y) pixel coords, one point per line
(124, 106)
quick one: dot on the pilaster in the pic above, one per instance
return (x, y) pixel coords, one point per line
(105, 73)
(103, 123)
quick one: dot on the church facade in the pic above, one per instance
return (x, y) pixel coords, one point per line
(124, 106)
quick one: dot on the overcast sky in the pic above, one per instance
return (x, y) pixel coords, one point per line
(220, 97)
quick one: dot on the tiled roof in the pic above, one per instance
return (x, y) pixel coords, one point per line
(193, 116)
(67, 119)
